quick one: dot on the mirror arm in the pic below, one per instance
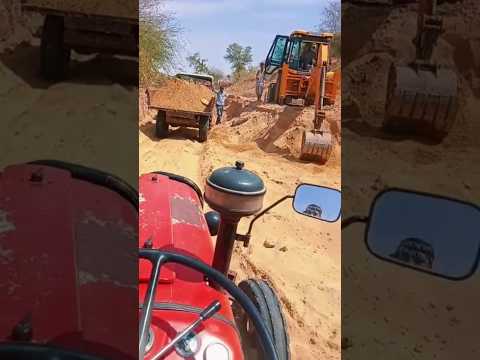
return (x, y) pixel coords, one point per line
(354, 219)
(246, 238)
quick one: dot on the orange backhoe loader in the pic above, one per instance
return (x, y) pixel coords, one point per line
(297, 62)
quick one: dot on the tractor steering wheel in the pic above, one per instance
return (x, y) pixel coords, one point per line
(158, 258)
(29, 351)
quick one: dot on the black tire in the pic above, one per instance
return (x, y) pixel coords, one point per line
(272, 92)
(55, 56)
(269, 307)
(203, 129)
(161, 125)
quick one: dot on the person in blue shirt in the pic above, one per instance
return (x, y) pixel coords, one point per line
(220, 103)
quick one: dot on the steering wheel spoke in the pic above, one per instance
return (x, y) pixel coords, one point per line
(158, 258)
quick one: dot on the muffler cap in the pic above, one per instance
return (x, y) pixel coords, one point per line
(235, 191)
(237, 180)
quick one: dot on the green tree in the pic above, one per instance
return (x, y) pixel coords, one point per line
(158, 40)
(331, 19)
(198, 64)
(239, 57)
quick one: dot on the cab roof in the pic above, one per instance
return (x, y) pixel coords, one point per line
(312, 36)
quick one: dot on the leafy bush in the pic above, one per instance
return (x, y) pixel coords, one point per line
(239, 58)
(159, 41)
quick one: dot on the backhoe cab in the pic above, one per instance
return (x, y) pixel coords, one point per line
(297, 60)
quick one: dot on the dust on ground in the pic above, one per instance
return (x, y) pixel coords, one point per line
(189, 96)
(304, 263)
(68, 120)
(398, 311)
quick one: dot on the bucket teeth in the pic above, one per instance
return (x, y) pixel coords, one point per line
(421, 100)
(316, 146)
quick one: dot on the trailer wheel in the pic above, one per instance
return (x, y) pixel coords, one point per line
(269, 307)
(161, 125)
(54, 56)
(203, 130)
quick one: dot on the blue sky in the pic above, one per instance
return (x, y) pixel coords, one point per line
(209, 26)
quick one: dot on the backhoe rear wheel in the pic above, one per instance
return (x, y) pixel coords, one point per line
(263, 296)
(161, 125)
(272, 93)
(54, 55)
(203, 130)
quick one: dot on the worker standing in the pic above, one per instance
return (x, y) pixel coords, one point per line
(220, 103)
(260, 84)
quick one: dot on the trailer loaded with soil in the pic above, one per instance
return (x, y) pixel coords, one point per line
(88, 27)
(186, 100)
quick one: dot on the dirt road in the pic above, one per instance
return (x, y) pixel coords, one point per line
(304, 264)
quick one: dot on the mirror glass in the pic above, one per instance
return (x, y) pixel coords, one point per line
(425, 232)
(318, 202)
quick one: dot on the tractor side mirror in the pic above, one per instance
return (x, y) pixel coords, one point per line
(428, 233)
(318, 202)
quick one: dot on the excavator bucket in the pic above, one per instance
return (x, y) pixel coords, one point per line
(421, 101)
(317, 146)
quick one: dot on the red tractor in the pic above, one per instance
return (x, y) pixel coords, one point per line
(68, 295)
(190, 307)
(64, 230)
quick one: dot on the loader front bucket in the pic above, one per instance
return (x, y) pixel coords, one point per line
(317, 146)
(421, 100)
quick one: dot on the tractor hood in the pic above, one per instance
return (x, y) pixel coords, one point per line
(171, 218)
(61, 240)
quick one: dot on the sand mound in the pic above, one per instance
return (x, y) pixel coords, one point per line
(235, 105)
(180, 95)
(244, 87)
(270, 127)
(366, 85)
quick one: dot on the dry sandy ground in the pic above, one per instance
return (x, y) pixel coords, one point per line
(68, 120)
(398, 313)
(267, 138)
